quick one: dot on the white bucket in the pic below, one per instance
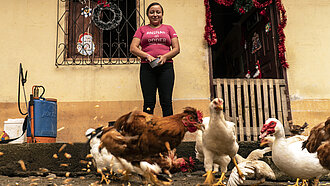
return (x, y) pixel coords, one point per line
(13, 127)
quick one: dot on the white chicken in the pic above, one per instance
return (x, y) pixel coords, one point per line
(199, 147)
(252, 168)
(105, 160)
(289, 156)
(217, 145)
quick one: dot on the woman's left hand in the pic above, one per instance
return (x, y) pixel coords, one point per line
(162, 60)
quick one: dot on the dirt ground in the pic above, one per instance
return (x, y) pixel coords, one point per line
(36, 156)
(179, 179)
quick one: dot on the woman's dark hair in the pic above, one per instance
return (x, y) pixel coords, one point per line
(153, 4)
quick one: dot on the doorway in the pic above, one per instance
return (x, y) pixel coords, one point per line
(245, 68)
(244, 39)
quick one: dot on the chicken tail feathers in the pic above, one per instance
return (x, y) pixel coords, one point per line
(91, 133)
(304, 125)
(111, 123)
(304, 143)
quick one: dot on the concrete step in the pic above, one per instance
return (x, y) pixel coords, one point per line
(38, 157)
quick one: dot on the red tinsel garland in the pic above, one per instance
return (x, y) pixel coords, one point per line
(280, 32)
(209, 35)
(225, 2)
(259, 5)
(281, 35)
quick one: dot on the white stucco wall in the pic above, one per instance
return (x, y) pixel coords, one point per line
(29, 37)
(308, 46)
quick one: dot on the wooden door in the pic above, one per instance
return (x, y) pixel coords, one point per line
(259, 42)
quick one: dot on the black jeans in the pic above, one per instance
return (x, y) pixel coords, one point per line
(161, 78)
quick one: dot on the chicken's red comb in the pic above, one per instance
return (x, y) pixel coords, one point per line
(200, 115)
(266, 125)
(191, 161)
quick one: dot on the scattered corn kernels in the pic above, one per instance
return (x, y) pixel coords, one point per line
(89, 156)
(21, 162)
(83, 161)
(62, 147)
(67, 155)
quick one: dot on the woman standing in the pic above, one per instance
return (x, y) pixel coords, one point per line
(157, 40)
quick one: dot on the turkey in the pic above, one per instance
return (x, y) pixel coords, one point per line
(216, 145)
(289, 157)
(252, 168)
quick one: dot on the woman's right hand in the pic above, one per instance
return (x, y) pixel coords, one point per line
(150, 58)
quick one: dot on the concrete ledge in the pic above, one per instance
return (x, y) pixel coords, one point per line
(36, 156)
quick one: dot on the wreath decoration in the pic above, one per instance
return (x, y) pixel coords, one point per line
(110, 24)
(243, 6)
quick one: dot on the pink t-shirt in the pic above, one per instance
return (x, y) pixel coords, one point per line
(155, 41)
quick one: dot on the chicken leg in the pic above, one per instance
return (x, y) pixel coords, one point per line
(316, 181)
(297, 182)
(303, 183)
(209, 177)
(152, 178)
(104, 178)
(241, 175)
(222, 177)
(167, 145)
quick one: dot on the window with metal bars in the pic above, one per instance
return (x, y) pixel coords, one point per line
(81, 42)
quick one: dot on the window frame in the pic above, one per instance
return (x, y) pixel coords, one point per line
(62, 57)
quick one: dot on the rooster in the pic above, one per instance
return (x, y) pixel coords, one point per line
(138, 136)
(319, 141)
(217, 144)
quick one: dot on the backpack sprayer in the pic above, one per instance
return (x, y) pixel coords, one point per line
(41, 119)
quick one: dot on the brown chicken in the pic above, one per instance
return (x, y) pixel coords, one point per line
(297, 129)
(319, 141)
(137, 135)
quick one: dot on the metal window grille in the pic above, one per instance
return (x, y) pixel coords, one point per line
(111, 47)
